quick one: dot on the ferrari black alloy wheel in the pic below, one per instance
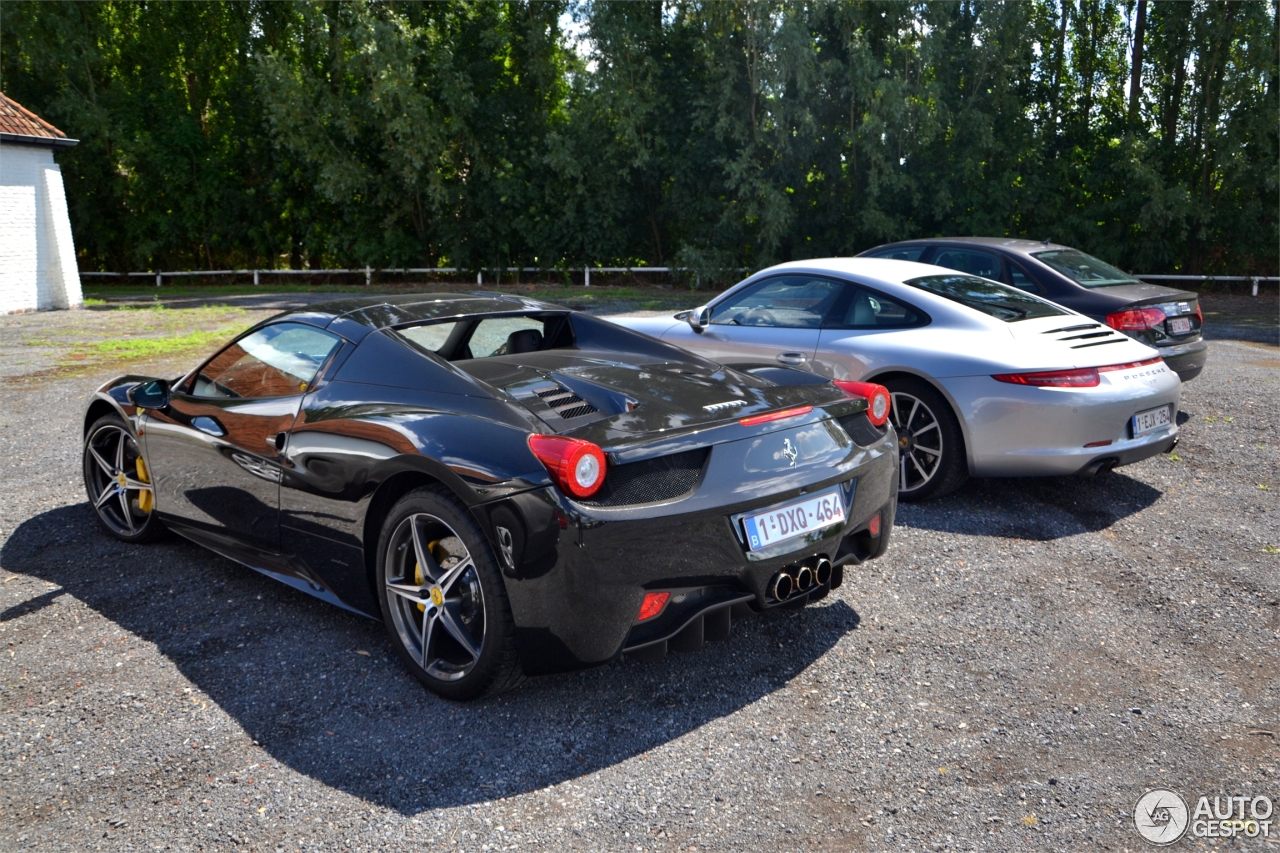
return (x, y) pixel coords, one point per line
(117, 481)
(930, 445)
(443, 599)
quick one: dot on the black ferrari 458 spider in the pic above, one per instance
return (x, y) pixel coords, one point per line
(512, 487)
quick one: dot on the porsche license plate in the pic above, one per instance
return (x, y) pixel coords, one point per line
(794, 519)
(1152, 420)
(1179, 325)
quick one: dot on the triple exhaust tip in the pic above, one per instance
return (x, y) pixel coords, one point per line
(800, 579)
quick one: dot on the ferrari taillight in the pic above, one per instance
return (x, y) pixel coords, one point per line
(877, 397)
(577, 466)
(1084, 377)
(1135, 319)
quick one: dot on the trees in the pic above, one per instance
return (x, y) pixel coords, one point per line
(708, 135)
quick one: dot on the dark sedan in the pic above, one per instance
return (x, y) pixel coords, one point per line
(511, 487)
(1159, 316)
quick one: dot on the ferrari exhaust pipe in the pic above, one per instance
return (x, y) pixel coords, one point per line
(782, 586)
(822, 571)
(804, 578)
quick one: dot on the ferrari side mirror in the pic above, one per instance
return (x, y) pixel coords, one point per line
(150, 395)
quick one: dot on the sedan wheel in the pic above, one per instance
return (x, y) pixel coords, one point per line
(118, 482)
(444, 603)
(930, 444)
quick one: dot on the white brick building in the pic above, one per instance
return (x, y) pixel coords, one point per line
(37, 257)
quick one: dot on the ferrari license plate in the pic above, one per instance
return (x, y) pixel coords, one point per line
(1179, 325)
(794, 519)
(1151, 420)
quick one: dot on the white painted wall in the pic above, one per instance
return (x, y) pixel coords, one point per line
(38, 268)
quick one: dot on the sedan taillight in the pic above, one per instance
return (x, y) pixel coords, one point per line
(877, 397)
(577, 466)
(1135, 319)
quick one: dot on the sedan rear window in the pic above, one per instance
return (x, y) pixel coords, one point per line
(997, 300)
(1084, 270)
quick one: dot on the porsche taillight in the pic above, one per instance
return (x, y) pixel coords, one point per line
(577, 466)
(1135, 319)
(1084, 377)
(877, 397)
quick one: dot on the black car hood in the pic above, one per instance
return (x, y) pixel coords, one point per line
(569, 390)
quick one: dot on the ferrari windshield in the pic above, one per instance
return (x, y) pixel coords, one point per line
(1084, 270)
(980, 294)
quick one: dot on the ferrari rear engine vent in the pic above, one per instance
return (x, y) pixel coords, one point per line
(564, 402)
(1086, 335)
(663, 478)
(861, 430)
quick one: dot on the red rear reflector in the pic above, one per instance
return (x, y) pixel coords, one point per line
(1199, 316)
(1135, 319)
(877, 397)
(1098, 443)
(1085, 377)
(653, 604)
(776, 416)
(874, 527)
(577, 466)
(1130, 364)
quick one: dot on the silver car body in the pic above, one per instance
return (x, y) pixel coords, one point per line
(1009, 430)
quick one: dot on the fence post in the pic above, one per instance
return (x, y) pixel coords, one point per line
(1255, 285)
(368, 276)
(157, 278)
(480, 278)
(255, 278)
(587, 279)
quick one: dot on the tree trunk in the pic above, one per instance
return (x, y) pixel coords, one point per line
(1135, 77)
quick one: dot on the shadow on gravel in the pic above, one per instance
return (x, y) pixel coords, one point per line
(1039, 509)
(321, 691)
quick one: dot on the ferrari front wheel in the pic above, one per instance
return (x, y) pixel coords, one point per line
(118, 482)
(443, 600)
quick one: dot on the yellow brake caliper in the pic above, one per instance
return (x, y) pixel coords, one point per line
(146, 498)
(418, 577)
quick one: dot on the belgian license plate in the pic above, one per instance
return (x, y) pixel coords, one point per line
(1179, 325)
(794, 519)
(1151, 420)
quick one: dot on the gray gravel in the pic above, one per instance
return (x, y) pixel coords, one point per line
(1027, 660)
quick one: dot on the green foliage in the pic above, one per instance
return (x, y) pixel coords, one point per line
(713, 136)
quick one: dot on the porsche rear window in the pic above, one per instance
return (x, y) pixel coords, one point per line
(996, 300)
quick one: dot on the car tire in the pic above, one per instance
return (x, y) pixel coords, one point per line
(118, 483)
(930, 443)
(451, 624)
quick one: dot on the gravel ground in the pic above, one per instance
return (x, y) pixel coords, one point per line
(1027, 660)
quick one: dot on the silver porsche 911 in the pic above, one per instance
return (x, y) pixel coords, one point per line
(986, 379)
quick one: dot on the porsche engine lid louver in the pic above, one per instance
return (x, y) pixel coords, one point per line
(564, 402)
(1086, 335)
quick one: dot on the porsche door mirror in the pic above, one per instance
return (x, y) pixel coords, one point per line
(150, 395)
(699, 318)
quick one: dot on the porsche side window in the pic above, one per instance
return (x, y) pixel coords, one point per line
(874, 311)
(506, 336)
(432, 337)
(276, 361)
(785, 302)
(997, 300)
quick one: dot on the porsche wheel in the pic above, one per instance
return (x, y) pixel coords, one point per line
(930, 444)
(117, 481)
(443, 600)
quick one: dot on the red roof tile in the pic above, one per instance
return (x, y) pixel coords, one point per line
(20, 121)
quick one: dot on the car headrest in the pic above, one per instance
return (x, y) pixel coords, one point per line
(524, 340)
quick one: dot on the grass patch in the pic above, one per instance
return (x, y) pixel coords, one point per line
(151, 347)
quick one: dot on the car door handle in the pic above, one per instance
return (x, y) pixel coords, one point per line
(792, 358)
(209, 426)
